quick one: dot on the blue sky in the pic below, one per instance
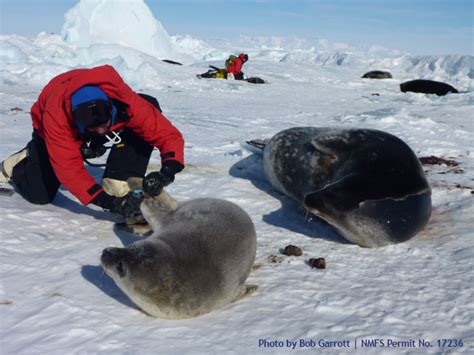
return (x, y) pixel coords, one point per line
(416, 26)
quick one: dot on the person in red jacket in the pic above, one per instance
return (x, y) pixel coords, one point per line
(76, 113)
(233, 66)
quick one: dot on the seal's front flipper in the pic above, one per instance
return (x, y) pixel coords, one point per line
(334, 140)
(155, 209)
(158, 209)
(342, 195)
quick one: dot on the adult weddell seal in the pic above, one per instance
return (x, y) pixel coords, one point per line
(367, 183)
(196, 261)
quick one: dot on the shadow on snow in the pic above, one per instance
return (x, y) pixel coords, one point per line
(76, 207)
(291, 215)
(97, 276)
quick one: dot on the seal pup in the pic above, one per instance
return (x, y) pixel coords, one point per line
(196, 261)
(377, 74)
(367, 183)
(427, 87)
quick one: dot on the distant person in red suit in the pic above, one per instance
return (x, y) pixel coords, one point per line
(233, 66)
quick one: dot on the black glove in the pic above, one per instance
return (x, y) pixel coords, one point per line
(155, 181)
(127, 206)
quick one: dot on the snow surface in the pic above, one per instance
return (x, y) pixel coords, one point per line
(55, 298)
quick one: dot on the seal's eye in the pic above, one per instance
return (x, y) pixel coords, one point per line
(120, 269)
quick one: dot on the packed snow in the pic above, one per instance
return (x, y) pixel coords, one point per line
(90, 21)
(56, 299)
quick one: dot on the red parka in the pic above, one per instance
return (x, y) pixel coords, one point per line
(236, 66)
(52, 118)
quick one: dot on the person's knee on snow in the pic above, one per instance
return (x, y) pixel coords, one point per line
(34, 176)
(9, 163)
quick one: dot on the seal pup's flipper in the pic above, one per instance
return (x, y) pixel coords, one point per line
(164, 198)
(244, 291)
(158, 210)
(249, 289)
(154, 209)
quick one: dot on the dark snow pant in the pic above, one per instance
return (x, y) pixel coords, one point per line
(129, 158)
(34, 176)
(36, 180)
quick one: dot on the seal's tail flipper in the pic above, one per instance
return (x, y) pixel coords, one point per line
(256, 145)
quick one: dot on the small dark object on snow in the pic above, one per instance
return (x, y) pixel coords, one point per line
(293, 250)
(377, 74)
(255, 80)
(318, 263)
(171, 62)
(6, 191)
(375, 94)
(274, 259)
(428, 87)
(16, 109)
(432, 160)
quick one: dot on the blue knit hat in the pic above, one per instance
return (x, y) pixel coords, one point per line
(91, 107)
